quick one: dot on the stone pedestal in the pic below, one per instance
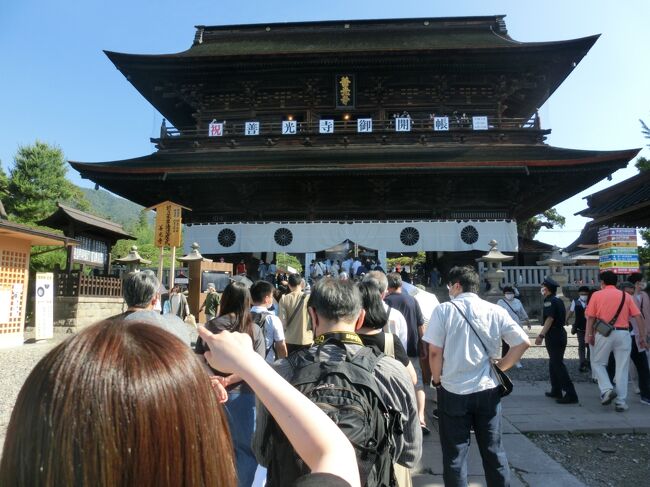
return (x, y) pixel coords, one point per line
(77, 312)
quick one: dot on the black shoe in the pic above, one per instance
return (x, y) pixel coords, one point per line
(553, 395)
(567, 400)
(425, 429)
(434, 414)
(583, 368)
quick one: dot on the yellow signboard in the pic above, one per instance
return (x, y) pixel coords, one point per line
(168, 225)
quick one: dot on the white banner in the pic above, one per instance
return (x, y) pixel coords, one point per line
(44, 306)
(391, 236)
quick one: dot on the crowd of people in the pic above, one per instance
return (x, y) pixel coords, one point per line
(304, 382)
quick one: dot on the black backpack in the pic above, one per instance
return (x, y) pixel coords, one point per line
(347, 392)
(259, 319)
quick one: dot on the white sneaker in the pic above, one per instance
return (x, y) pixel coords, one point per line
(607, 397)
(621, 407)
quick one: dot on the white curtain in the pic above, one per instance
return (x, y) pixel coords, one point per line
(392, 236)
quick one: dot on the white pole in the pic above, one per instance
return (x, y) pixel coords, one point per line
(160, 264)
(172, 270)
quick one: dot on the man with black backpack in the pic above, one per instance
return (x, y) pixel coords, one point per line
(369, 395)
(262, 298)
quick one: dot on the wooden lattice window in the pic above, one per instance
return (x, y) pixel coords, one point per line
(13, 280)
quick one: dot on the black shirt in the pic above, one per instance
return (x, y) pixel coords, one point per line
(554, 308)
(409, 307)
(378, 342)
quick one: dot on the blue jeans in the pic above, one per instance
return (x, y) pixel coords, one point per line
(457, 413)
(240, 408)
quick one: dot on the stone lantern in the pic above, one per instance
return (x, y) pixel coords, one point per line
(194, 255)
(556, 263)
(494, 260)
(133, 260)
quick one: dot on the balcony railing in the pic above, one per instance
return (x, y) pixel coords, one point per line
(379, 126)
(533, 276)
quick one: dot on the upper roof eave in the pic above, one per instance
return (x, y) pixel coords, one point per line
(193, 53)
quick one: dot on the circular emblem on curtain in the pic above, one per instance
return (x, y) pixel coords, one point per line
(409, 236)
(469, 234)
(283, 236)
(226, 237)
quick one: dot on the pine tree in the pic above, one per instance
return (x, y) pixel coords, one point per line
(38, 181)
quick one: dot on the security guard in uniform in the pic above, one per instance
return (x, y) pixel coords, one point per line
(554, 335)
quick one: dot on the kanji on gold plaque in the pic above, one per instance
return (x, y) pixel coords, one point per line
(168, 230)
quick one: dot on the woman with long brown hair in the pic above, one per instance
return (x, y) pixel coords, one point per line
(125, 403)
(234, 315)
(118, 404)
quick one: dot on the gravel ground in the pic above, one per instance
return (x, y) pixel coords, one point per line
(535, 360)
(604, 460)
(15, 366)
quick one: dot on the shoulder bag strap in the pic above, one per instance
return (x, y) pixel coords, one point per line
(389, 344)
(295, 311)
(618, 311)
(470, 325)
(513, 310)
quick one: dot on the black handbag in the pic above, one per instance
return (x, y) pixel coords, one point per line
(504, 384)
(606, 329)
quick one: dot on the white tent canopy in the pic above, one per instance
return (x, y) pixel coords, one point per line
(387, 236)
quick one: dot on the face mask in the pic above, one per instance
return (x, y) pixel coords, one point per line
(510, 296)
(542, 292)
(583, 297)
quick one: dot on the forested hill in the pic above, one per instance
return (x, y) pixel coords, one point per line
(112, 207)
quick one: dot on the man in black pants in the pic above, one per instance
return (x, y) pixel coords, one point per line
(553, 332)
(578, 307)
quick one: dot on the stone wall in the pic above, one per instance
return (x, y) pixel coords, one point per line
(80, 311)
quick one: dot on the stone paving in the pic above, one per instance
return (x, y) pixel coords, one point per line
(527, 410)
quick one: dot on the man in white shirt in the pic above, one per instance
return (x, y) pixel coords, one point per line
(460, 367)
(274, 344)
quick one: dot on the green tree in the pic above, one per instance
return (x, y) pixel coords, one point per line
(4, 190)
(547, 219)
(642, 164)
(284, 260)
(4, 182)
(37, 181)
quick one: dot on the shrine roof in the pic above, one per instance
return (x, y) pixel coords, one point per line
(348, 36)
(35, 236)
(453, 157)
(625, 203)
(64, 215)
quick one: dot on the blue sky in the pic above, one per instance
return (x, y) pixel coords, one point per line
(56, 84)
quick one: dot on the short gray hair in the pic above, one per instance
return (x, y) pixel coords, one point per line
(334, 299)
(394, 280)
(139, 288)
(379, 277)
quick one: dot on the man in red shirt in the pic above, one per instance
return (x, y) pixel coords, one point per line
(603, 305)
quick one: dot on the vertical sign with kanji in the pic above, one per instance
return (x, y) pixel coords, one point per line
(168, 225)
